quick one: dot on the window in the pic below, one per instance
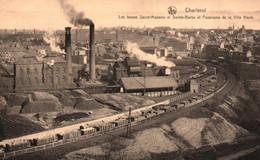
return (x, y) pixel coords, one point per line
(28, 71)
(35, 71)
(29, 81)
(21, 72)
(57, 80)
(50, 79)
(64, 79)
(21, 81)
(57, 70)
(36, 80)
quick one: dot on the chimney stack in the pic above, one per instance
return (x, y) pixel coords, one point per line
(68, 48)
(92, 51)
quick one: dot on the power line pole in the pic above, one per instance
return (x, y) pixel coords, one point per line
(144, 80)
(129, 124)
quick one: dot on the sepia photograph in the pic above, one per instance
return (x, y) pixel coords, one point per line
(129, 80)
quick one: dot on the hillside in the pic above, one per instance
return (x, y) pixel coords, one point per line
(37, 111)
(181, 135)
(225, 129)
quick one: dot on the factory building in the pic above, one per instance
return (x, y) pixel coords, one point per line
(40, 73)
(32, 74)
(133, 68)
(153, 86)
(46, 72)
(127, 68)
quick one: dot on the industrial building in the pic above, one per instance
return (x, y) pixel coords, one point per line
(153, 86)
(134, 68)
(45, 73)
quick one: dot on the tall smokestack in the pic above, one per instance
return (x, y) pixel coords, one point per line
(68, 48)
(92, 51)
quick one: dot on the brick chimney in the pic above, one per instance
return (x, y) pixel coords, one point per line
(68, 48)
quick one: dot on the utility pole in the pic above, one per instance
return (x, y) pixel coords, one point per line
(129, 124)
(144, 80)
(215, 93)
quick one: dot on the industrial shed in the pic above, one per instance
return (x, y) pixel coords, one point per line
(151, 86)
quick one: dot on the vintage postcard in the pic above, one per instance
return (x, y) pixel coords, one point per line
(129, 79)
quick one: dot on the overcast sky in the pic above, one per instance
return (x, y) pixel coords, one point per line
(47, 14)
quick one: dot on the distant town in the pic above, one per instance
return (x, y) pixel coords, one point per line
(19, 49)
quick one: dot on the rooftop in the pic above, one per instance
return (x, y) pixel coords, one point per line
(149, 82)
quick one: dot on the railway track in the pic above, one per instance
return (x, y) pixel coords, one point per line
(54, 153)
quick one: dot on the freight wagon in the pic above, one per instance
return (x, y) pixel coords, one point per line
(88, 130)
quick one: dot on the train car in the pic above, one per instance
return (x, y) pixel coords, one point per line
(119, 123)
(141, 118)
(166, 108)
(45, 140)
(207, 93)
(18, 146)
(88, 130)
(201, 96)
(180, 105)
(105, 127)
(71, 134)
(184, 102)
(156, 108)
(146, 111)
(174, 105)
(211, 90)
(192, 100)
(195, 98)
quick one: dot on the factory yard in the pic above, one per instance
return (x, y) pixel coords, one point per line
(204, 112)
(206, 121)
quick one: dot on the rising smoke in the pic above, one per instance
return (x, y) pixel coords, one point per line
(134, 51)
(76, 18)
(51, 41)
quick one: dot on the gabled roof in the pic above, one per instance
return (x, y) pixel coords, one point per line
(119, 66)
(150, 82)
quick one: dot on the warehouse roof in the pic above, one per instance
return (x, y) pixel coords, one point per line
(150, 82)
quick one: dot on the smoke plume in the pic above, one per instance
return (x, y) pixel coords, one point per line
(76, 18)
(134, 51)
(51, 63)
(51, 41)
